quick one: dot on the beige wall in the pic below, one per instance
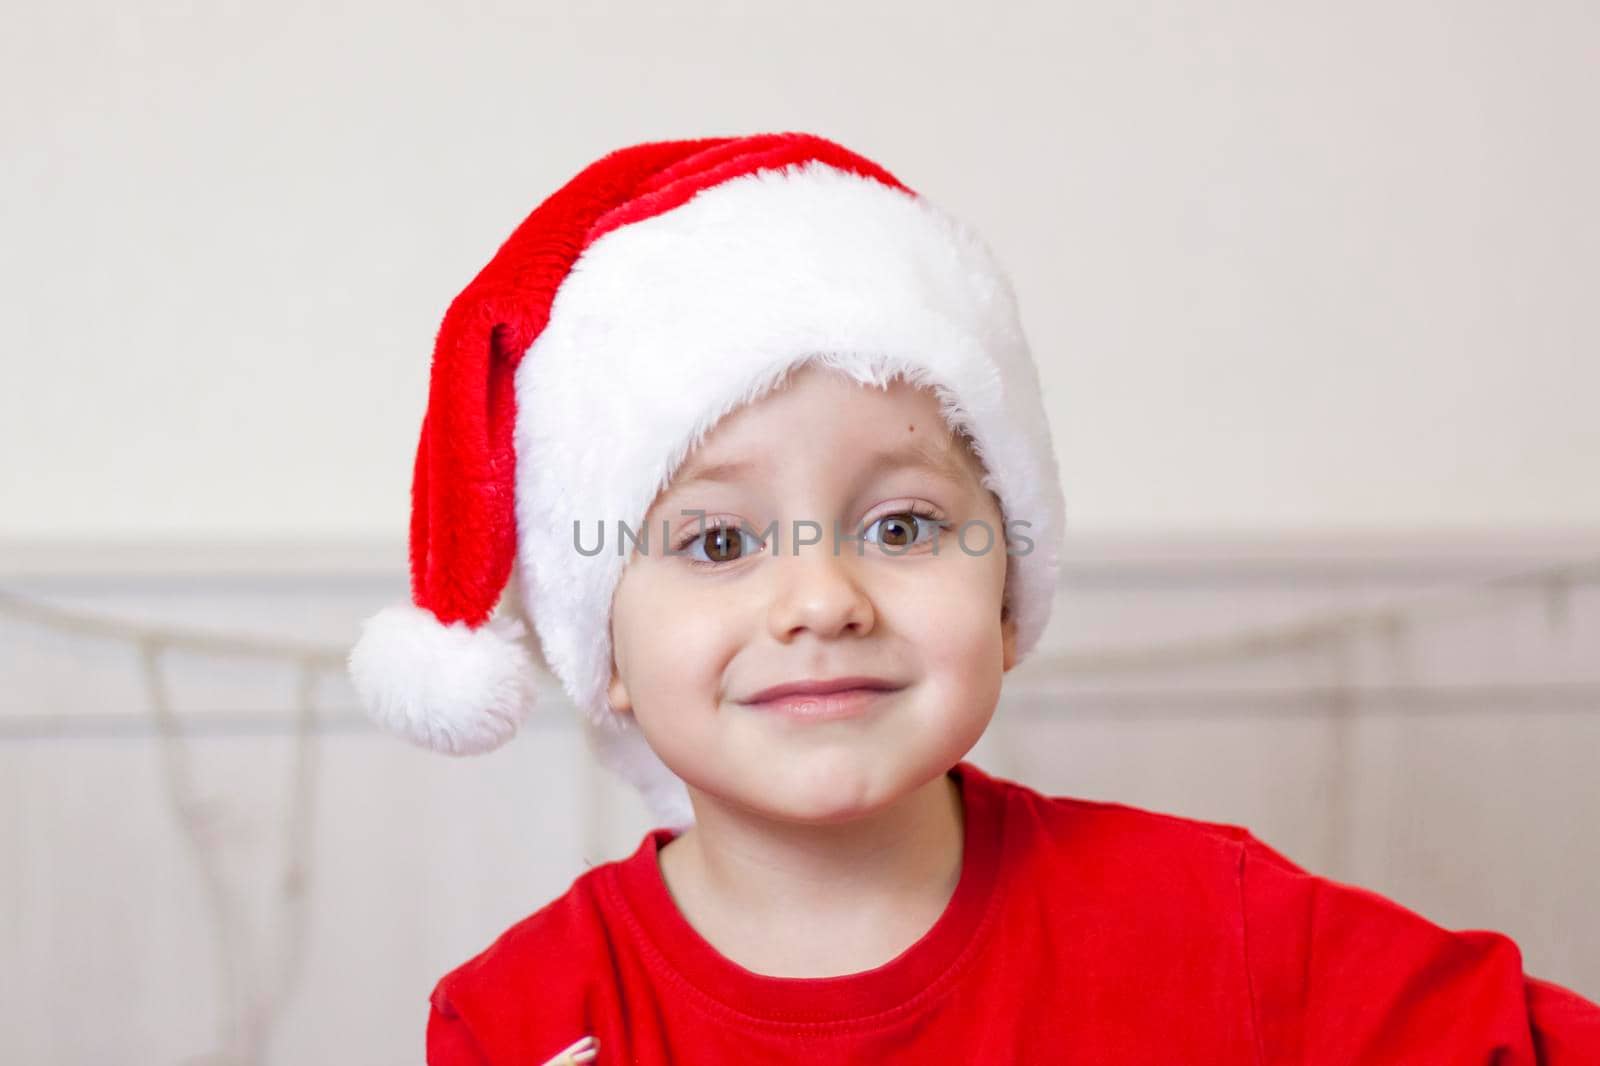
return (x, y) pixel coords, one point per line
(1286, 266)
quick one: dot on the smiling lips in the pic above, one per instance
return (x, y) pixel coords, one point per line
(841, 697)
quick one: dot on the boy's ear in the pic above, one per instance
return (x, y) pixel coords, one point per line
(617, 691)
(1008, 638)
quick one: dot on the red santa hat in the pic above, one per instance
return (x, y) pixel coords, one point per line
(666, 285)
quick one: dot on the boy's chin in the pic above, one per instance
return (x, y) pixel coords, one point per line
(814, 790)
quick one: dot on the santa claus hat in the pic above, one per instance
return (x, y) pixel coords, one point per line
(663, 287)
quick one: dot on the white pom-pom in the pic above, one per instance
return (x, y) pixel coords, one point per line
(451, 688)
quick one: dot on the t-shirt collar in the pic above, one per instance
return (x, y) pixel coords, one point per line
(922, 970)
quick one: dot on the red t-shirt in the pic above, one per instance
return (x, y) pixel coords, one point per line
(1078, 932)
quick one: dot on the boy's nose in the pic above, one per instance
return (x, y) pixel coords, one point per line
(819, 590)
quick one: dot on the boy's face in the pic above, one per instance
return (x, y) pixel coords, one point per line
(696, 635)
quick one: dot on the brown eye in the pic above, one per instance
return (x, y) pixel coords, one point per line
(720, 544)
(901, 529)
(724, 545)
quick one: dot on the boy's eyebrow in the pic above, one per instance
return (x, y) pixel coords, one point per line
(724, 473)
(940, 465)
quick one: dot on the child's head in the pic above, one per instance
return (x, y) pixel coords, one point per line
(775, 300)
(757, 592)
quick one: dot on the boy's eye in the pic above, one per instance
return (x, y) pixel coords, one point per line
(902, 529)
(722, 544)
(727, 542)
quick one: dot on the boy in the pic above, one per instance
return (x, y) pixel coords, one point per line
(802, 395)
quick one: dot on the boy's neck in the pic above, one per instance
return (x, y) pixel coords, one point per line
(759, 890)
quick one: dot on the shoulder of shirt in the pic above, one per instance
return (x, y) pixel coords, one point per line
(1122, 827)
(545, 954)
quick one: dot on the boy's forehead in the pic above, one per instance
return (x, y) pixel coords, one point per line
(829, 419)
(827, 410)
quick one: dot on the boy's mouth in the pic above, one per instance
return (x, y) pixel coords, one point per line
(843, 697)
(799, 689)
